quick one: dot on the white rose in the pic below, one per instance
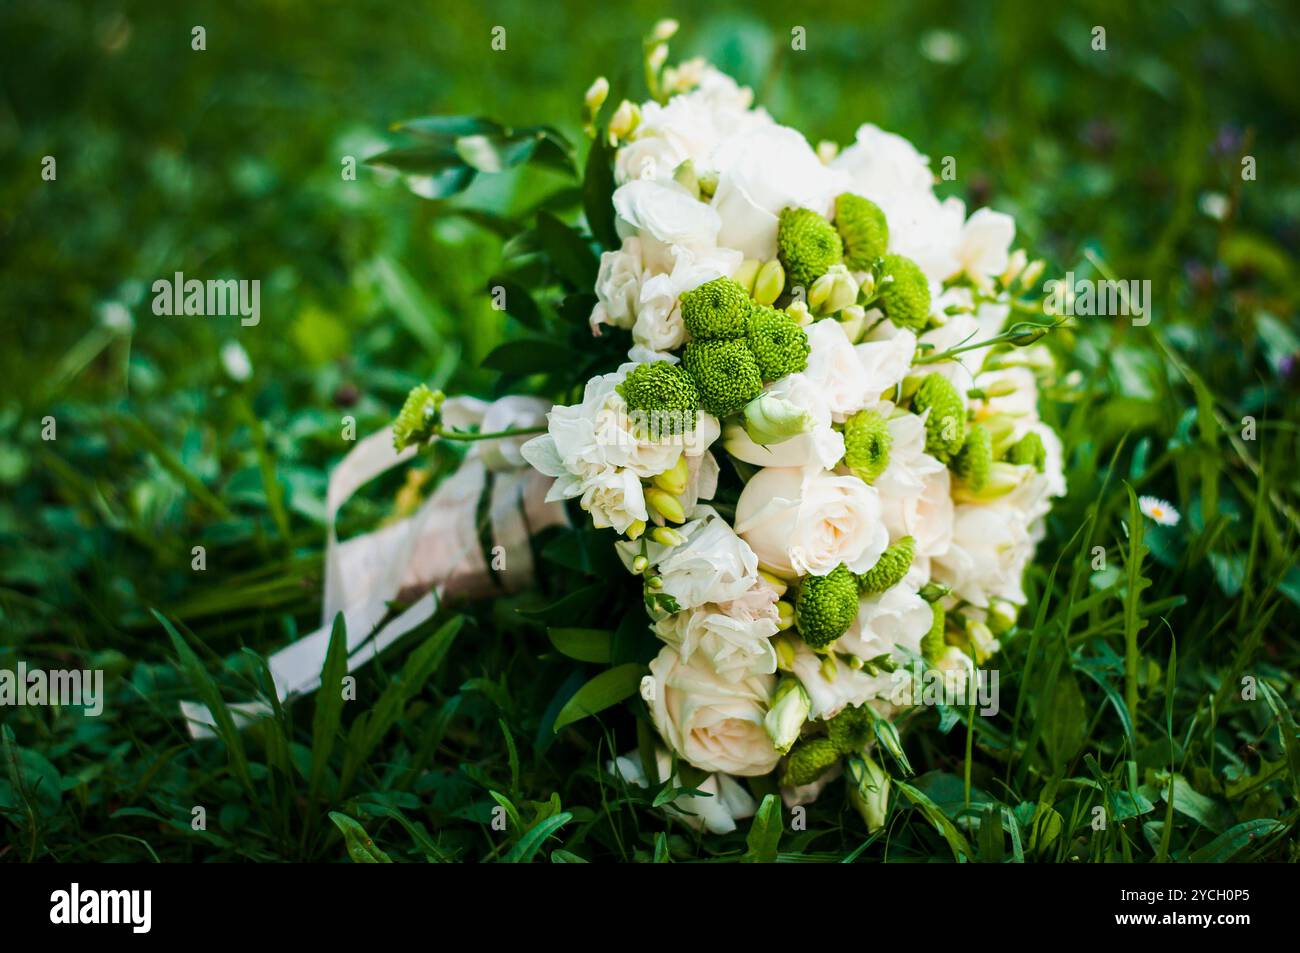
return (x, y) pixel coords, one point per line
(889, 623)
(613, 498)
(915, 489)
(618, 286)
(985, 243)
(713, 565)
(663, 215)
(761, 173)
(991, 545)
(886, 362)
(718, 814)
(808, 521)
(821, 445)
(733, 637)
(836, 370)
(713, 723)
(883, 164)
(659, 328)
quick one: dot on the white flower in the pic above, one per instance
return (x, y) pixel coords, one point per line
(801, 521)
(664, 214)
(718, 814)
(886, 362)
(713, 565)
(659, 328)
(512, 412)
(985, 243)
(714, 723)
(733, 637)
(820, 445)
(762, 172)
(892, 622)
(1159, 510)
(618, 286)
(691, 126)
(991, 545)
(840, 372)
(832, 687)
(883, 165)
(613, 497)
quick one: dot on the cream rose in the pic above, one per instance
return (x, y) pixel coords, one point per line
(733, 637)
(714, 723)
(808, 521)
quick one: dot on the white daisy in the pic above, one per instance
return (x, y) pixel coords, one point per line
(1159, 510)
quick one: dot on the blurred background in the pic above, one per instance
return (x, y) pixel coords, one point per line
(174, 432)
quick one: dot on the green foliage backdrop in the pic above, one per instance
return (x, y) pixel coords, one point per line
(227, 162)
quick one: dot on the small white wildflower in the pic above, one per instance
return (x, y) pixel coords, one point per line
(1159, 510)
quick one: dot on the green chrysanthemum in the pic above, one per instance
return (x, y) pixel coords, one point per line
(933, 644)
(725, 374)
(890, 569)
(866, 444)
(665, 394)
(1029, 450)
(976, 457)
(826, 606)
(906, 298)
(806, 245)
(851, 730)
(862, 228)
(716, 310)
(809, 760)
(945, 427)
(779, 345)
(417, 420)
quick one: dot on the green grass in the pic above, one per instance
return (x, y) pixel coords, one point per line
(1123, 687)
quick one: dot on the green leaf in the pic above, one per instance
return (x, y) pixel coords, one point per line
(1189, 802)
(961, 849)
(519, 304)
(329, 704)
(568, 250)
(608, 688)
(1287, 728)
(531, 842)
(1228, 844)
(361, 848)
(765, 832)
(598, 192)
(210, 696)
(585, 645)
(443, 128)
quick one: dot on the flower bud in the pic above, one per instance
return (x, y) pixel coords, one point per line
(684, 175)
(934, 591)
(769, 282)
(868, 790)
(778, 585)
(665, 504)
(676, 479)
(799, 311)
(981, 640)
(635, 530)
(827, 150)
(784, 615)
(654, 583)
(746, 274)
(1002, 616)
(787, 714)
(1032, 273)
(640, 564)
(854, 320)
(657, 57)
(770, 419)
(625, 119)
(665, 29)
(1015, 265)
(667, 536)
(597, 92)
(1026, 333)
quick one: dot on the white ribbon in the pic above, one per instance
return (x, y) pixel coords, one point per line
(432, 554)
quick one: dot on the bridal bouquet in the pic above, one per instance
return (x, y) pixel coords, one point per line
(820, 463)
